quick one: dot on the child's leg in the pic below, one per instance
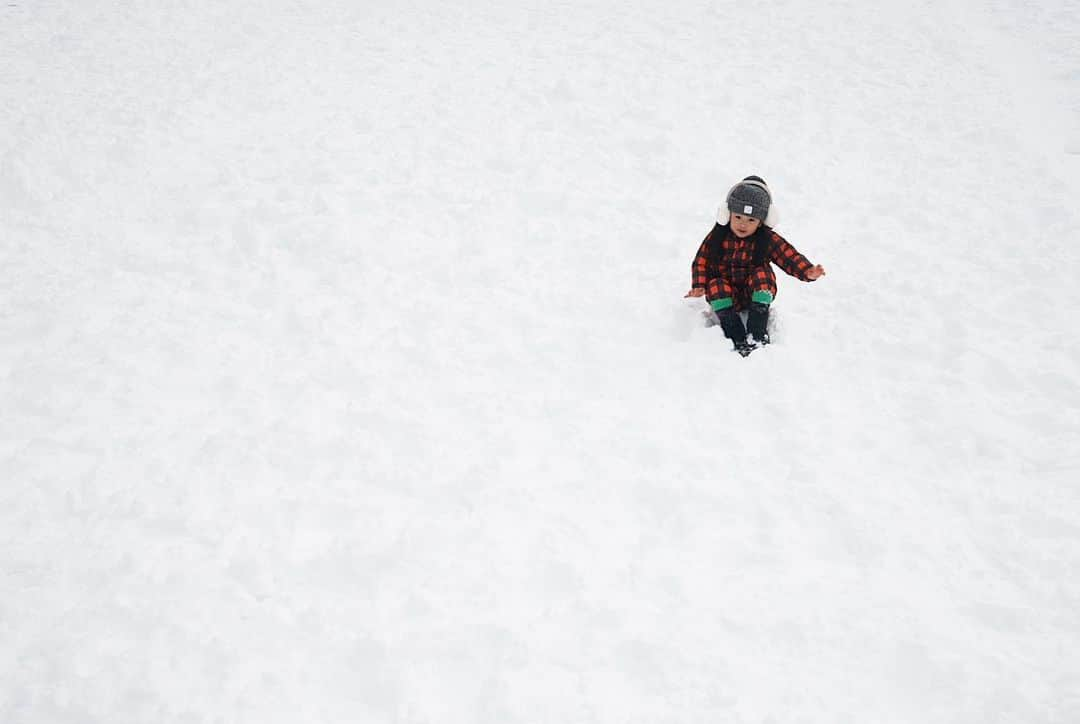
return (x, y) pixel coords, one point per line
(721, 296)
(761, 296)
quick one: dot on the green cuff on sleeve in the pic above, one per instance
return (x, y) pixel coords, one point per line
(718, 304)
(761, 296)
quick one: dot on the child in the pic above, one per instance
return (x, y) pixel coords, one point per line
(732, 268)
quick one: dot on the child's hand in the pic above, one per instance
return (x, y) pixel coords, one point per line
(699, 292)
(816, 272)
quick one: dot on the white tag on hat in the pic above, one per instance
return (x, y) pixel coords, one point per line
(748, 209)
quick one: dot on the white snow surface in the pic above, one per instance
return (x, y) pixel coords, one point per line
(345, 373)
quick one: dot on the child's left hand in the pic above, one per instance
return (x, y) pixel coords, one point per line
(816, 272)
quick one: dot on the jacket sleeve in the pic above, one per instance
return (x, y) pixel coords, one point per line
(699, 270)
(788, 258)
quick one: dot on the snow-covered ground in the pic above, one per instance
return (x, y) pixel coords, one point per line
(345, 374)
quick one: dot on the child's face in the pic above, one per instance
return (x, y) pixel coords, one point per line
(744, 226)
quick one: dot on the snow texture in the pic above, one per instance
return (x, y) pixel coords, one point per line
(345, 373)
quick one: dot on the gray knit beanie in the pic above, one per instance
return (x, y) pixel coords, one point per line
(750, 197)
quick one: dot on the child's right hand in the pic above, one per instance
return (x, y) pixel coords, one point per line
(699, 292)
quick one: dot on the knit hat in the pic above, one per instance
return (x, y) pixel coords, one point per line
(749, 197)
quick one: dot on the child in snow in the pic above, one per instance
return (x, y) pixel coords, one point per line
(733, 266)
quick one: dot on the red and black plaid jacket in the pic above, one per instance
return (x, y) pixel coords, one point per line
(724, 265)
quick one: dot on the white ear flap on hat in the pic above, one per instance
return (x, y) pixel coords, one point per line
(772, 217)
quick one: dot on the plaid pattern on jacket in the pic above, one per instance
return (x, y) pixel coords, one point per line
(724, 265)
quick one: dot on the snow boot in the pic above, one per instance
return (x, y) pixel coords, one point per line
(745, 347)
(757, 322)
(732, 324)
